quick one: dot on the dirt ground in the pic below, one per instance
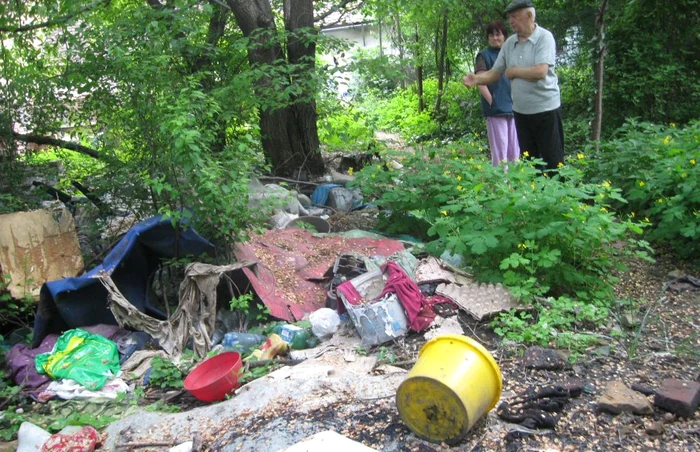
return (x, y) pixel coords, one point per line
(656, 341)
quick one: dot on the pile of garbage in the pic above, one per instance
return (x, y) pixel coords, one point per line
(95, 335)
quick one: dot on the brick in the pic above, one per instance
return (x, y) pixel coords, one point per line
(678, 396)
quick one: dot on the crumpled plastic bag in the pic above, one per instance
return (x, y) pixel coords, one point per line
(324, 323)
(274, 346)
(85, 440)
(89, 359)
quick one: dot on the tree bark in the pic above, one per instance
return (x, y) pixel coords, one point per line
(441, 51)
(599, 50)
(289, 134)
(419, 78)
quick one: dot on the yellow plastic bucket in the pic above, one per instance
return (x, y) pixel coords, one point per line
(454, 382)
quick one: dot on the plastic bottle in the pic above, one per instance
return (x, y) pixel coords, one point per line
(242, 342)
(297, 337)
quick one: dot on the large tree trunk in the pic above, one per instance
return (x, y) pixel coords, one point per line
(289, 134)
(598, 72)
(301, 51)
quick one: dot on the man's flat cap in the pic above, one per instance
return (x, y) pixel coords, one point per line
(519, 4)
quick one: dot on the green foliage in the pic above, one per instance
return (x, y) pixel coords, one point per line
(553, 322)
(344, 128)
(385, 355)
(253, 373)
(15, 311)
(538, 235)
(383, 73)
(652, 75)
(165, 374)
(658, 169)
(398, 113)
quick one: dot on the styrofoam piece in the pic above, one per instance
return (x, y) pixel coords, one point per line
(325, 441)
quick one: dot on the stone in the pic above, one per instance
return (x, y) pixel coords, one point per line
(646, 390)
(680, 397)
(655, 429)
(9, 446)
(669, 418)
(618, 398)
(543, 359)
(573, 385)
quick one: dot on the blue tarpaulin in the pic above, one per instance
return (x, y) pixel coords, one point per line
(74, 302)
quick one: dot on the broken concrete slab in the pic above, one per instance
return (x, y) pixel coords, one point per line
(278, 410)
(328, 440)
(36, 247)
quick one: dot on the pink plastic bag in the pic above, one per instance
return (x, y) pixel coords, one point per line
(84, 440)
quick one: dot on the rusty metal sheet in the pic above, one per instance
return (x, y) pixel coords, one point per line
(36, 247)
(291, 265)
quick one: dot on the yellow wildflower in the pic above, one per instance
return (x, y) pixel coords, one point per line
(667, 139)
(532, 184)
(374, 175)
(459, 177)
(522, 246)
(640, 183)
(603, 209)
(444, 212)
(478, 167)
(646, 219)
(351, 170)
(526, 154)
(459, 188)
(692, 161)
(606, 184)
(379, 167)
(673, 124)
(560, 164)
(580, 156)
(446, 173)
(633, 214)
(660, 200)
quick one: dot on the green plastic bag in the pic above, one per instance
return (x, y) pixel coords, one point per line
(89, 359)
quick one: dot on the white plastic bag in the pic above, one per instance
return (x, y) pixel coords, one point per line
(324, 323)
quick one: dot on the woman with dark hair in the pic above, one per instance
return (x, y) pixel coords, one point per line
(496, 103)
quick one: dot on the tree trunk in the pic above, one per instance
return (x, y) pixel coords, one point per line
(599, 50)
(289, 133)
(400, 43)
(419, 78)
(442, 50)
(301, 51)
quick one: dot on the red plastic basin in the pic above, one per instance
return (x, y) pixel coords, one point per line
(215, 378)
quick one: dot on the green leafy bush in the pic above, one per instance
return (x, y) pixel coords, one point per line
(345, 128)
(538, 235)
(398, 113)
(658, 169)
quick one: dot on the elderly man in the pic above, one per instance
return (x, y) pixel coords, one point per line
(527, 59)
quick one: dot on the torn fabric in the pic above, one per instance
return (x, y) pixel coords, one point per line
(194, 317)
